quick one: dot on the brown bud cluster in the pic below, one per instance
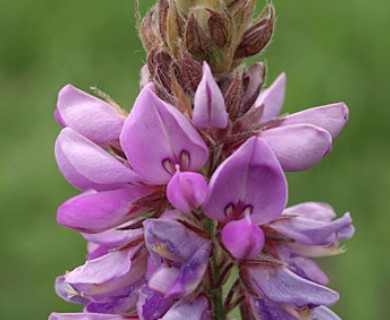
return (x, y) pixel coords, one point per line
(179, 35)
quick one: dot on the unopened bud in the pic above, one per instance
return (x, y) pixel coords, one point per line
(257, 36)
(219, 28)
(196, 39)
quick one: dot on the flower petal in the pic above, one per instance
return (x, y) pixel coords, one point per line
(243, 239)
(277, 283)
(85, 165)
(120, 305)
(88, 316)
(311, 210)
(323, 313)
(298, 147)
(156, 136)
(191, 273)
(113, 237)
(171, 240)
(313, 232)
(272, 98)
(331, 118)
(91, 117)
(94, 212)
(187, 191)
(209, 105)
(108, 273)
(195, 310)
(251, 178)
(255, 77)
(266, 309)
(152, 305)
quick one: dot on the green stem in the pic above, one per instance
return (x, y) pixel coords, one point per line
(216, 292)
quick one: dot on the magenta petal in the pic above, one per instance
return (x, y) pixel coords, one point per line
(243, 239)
(93, 118)
(277, 283)
(108, 273)
(197, 309)
(156, 137)
(311, 210)
(187, 191)
(298, 147)
(250, 179)
(85, 165)
(209, 104)
(331, 118)
(272, 98)
(94, 212)
(88, 316)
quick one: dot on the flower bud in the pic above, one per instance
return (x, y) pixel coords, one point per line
(257, 37)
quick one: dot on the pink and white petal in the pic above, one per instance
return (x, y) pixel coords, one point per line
(93, 118)
(156, 135)
(209, 105)
(85, 165)
(272, 98)
(312, 210)
(298, 147)
(95, 212)
(332, 118)
(251, 178)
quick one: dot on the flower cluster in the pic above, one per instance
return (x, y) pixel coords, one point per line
(183, 201)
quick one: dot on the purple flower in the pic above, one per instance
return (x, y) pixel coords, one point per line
(190, 187)
(302, 139)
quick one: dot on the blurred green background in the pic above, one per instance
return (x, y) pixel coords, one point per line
(331, 50)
